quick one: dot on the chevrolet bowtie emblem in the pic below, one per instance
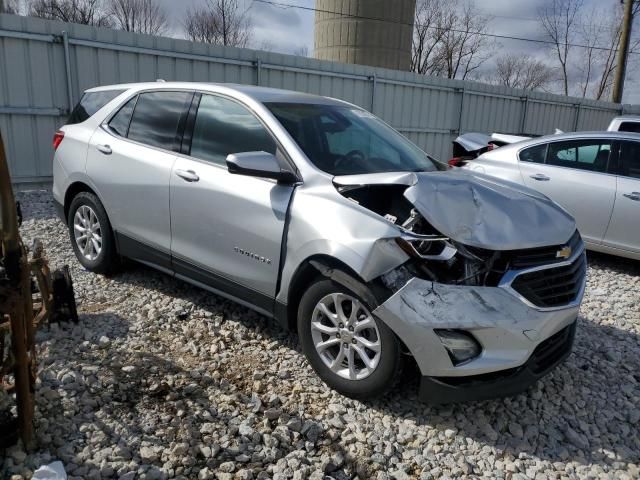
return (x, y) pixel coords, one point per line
(564, 252)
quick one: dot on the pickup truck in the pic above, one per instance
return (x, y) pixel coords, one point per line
(625, 123)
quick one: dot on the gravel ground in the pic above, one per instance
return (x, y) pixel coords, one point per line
(163, 380)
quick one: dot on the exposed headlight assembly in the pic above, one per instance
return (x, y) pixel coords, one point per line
(427, 247)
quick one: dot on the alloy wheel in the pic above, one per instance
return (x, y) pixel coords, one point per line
(87, 232)
(345, 336)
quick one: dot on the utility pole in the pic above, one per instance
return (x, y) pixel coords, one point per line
(623, 47)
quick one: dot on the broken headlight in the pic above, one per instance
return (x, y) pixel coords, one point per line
(429, 247)
(438, 258)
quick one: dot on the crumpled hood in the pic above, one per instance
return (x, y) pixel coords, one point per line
(486, 212)
(479, 210)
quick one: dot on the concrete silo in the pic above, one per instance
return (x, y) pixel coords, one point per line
(367, 32)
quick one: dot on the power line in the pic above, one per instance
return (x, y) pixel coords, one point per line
(484, 34)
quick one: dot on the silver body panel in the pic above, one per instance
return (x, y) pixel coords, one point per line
(257, 234)
(133, 178)
(605, 214)
(229, 224)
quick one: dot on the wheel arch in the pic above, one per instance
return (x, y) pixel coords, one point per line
(325, 266)
(74, 189)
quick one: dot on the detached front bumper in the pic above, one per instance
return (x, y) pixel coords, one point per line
(512, 332)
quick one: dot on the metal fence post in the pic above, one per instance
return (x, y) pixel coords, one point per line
(461, 91)
(374, 83)
(258, 65)
(525, 108)
(67, 66)
(577, 117)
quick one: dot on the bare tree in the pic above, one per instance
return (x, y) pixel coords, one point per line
(10, 6)
(429, 29)
(87, 12)
(265, 45)
(522, 71)
(302, 51)
(140, 16)
(559, 19)
(449, 38)
(466, 47)
(585, 41)
(221, 22)
(600, 33)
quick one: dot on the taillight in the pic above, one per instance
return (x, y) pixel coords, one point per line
(57, 139)
(456, 161)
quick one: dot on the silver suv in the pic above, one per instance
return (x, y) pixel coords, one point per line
(314, 212)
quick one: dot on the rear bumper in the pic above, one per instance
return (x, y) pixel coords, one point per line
(504, 383)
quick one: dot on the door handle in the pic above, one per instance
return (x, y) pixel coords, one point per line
(633, 196)
(540, 177)
(106, 149)
(188, 175)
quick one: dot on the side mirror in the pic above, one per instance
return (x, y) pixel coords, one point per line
(259, 164)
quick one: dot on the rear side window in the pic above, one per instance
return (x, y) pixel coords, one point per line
(156, 118)
(630, 127)
(90, 103)
(592, 155)
(535, 154)
(120, 121)
(630, 159)
(223, 127)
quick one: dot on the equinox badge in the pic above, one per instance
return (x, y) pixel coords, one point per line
(249, 254)
(564, 252)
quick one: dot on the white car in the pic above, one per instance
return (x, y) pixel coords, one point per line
(595, 176)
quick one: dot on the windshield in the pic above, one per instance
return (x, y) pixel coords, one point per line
(344, 140)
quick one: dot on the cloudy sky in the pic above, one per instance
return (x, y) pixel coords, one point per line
(287, 30)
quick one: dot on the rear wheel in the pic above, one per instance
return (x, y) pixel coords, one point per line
(91, 234)
(351, 350)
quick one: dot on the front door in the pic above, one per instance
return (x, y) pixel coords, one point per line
(573, 174)
(227, 230)
(624, 228)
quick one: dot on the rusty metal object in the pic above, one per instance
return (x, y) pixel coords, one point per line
(23, 309)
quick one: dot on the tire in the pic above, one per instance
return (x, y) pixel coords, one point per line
(386, 364)
(98, 253)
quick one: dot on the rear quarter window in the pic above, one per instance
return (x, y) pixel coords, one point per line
(90, 103)
(535, 154)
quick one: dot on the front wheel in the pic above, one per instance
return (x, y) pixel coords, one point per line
(351, 350)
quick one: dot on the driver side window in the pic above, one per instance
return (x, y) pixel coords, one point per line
(223, 126)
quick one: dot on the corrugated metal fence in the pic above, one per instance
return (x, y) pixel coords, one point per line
(45, 66)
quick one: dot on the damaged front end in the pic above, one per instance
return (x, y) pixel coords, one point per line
(495, 272)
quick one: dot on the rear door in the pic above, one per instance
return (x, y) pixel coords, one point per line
(227, 229)
(574, 174)
(130, 160)
(624, 228)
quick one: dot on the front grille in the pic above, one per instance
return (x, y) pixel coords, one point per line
(552, 287)
(532, 257)
(549, 352)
